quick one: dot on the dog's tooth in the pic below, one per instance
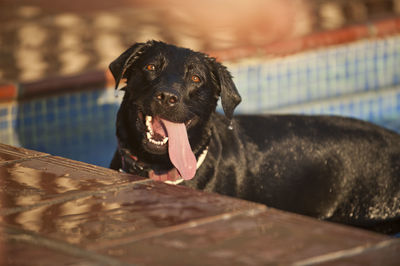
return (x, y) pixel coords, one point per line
(164, 140)
(150, 134)
(148, 124)
(156, 142)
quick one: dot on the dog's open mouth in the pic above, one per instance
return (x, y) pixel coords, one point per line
(156, 132)
(163, 134)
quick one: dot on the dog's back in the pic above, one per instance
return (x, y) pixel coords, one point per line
(329, 167)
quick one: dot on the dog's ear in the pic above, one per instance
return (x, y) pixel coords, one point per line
(127, 59)
(230, 97)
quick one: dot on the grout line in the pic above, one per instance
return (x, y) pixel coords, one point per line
(35, 239)
(93, 169)
(60, 161)
(170, 229)
(347, 253)
(6, 149)
(24, 159)
(73, 196)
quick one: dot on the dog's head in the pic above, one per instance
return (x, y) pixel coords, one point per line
(170, 94)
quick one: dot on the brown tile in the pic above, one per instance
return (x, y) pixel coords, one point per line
(24, 249)
(386, 253)
(10, 153)
(387, 27)
(8, 92)
(7, 156)
(272, 237)
(62, 84)
(41, 180)
(19, 253)
(132, 213)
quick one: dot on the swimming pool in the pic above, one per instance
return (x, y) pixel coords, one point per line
(79, 126)
(360, 79)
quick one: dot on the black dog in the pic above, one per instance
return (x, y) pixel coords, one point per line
(332, 168)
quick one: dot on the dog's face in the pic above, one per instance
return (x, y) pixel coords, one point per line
(170, 94)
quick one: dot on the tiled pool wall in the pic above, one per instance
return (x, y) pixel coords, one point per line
(359, 79)
(79, 126)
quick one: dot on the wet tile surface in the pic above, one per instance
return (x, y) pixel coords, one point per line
(55, 211)
(19, 253)
(19, 249)
(388, 254)
(269, 237)
(35, 181)
(9, 153)
(124, 215)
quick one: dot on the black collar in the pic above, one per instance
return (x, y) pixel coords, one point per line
(130, 163)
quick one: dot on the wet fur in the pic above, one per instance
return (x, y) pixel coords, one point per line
(332, 168)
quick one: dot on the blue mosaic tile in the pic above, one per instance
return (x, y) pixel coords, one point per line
(84, 99)
(51, 105)
(95, 94)
(61, 101)
(4, 125)
(73, 99)
(74, 113)
(40, 131)
(26, 108)
(315, 75)
(50, 118)
(38, 107)
(38, 120)
(94, 109)
(27, 121)
(3, 112)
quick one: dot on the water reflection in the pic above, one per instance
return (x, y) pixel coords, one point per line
(48, 207)
(39, 190)
(25, 186)
(22, 185)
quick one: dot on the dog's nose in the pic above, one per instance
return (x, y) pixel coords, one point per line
(166, 98)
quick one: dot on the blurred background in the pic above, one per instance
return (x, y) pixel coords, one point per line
(305, 56)
(41, 38)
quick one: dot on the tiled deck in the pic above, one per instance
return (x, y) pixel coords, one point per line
(55, 211)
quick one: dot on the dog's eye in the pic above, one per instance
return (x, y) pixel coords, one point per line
(195, 79)
(151, 67)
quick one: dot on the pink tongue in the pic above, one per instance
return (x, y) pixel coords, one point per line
(179, 149)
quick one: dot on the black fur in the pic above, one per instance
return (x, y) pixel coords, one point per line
(328, 167)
